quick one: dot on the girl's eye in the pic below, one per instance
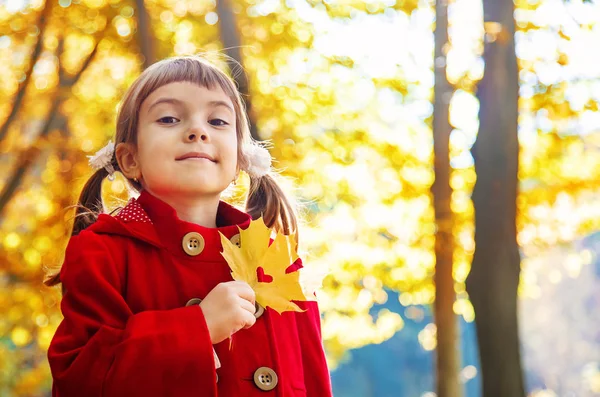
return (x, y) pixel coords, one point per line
(167, 120)
(218, 122)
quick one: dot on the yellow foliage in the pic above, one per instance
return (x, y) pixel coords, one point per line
(254, 252)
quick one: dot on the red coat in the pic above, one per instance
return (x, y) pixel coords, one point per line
(128, 332)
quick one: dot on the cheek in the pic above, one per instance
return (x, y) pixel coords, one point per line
(152, 154)
(232, 153)
(152, 144)
(144, 155)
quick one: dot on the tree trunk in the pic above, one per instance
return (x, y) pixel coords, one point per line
(144, 36)
(230, 37)
(448, 356)
(494, 277)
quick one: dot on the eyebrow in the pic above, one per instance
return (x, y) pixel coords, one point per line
(221, 103)
(172, 101)
(177, 102)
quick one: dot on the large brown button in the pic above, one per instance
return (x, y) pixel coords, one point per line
(193, 302)
(193, 243)
(236, 240)
(265, 378)
(259, 310)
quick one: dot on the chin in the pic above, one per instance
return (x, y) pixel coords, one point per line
(188, 186)
(202, 187)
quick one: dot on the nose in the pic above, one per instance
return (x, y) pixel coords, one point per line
(196, 133)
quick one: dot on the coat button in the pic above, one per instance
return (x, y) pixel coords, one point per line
(193, 302)
(236, 240)
(193, 243)
(265, 378)
(259, 310)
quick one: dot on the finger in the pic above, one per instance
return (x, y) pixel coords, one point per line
(247, 305)
(249, 319)
(245, 291)
(246, 320)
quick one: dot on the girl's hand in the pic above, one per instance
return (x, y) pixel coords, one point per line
(228, 308)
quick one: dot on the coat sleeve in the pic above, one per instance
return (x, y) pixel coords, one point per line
(316, 372)
(101, 348)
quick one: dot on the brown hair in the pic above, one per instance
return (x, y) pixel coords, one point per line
(265, 197)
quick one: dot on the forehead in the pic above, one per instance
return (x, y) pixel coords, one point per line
(187, 92)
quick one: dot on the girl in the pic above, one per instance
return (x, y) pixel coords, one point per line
(149, 304)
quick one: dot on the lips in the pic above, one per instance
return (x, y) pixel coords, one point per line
(196, 155)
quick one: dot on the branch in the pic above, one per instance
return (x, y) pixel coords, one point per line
(68, 83)
(54, 121)
(43, 22)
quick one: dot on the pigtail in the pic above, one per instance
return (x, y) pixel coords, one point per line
(267, 199)
(88, 207)
(90, 204)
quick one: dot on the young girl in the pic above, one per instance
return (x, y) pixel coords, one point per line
(149, 305)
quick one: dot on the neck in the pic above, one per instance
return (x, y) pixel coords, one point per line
(198, 209)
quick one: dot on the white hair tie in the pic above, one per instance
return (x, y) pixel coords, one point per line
(259, 160)
(103, 159)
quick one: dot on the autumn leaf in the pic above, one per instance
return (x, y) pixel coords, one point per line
(255, 252)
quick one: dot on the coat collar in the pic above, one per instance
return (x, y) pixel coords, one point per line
(153, 221)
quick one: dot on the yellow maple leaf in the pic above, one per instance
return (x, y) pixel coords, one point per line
(254, 252)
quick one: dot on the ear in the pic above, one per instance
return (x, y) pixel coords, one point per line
(127, 158)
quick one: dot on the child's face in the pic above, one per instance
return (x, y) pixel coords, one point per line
(178, 123)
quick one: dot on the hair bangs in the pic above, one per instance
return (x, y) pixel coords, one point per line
(185, 69)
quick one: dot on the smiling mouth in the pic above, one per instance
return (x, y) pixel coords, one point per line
(196, 157)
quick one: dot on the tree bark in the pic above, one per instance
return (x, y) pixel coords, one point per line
(144, 36)
(494, 278)
(448, 356)
(230, 37)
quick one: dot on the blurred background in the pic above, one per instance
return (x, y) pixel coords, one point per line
(367, 104)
